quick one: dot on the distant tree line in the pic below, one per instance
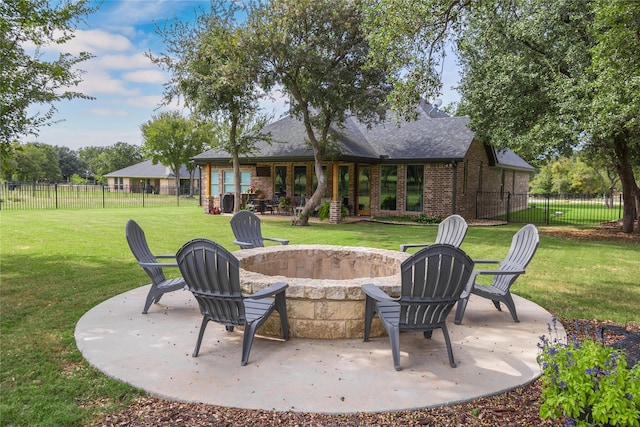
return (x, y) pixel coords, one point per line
(38, 162)
(575, 175)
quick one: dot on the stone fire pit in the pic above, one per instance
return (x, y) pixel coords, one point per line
(324, 298)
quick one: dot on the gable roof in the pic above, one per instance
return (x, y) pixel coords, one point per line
(433, 137)
(147, 169)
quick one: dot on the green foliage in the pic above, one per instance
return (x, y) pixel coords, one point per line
(30, 27)
(544, 78)
(570, 176)
(33, 162)
(588, 383)
(408, 37)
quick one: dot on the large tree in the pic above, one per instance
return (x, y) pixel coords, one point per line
(316, 50)
(546, 77)
(214, 70)
(29, 79)
(168, 139)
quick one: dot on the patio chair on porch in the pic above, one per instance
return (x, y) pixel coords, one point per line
(149, 263)
(432, 281)
(451, 231)
(523, 246)
(247, 231)
(212, 274)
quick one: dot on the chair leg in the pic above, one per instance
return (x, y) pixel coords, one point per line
(203, 326)
(447, 340)
(247, 341)
(151, 296)
(462, 306)
(281, 308)
(497, 304)
(394, 339)
(508, 301)
(369, 310)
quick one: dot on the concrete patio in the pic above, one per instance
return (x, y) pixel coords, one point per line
(153, 352)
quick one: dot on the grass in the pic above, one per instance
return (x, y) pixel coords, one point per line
(56, 265)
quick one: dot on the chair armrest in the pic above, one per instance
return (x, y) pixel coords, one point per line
(239, 243)
(376, 293)
(496, 272)
(158, 264)
(272, 290)
(406, 246)
(274, 239)
(486, 261)
(165, 256)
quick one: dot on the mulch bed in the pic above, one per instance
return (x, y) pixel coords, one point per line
(518, 407)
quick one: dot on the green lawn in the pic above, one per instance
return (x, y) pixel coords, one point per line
(56, 265)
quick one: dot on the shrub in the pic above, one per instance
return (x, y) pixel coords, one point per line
(588, 383)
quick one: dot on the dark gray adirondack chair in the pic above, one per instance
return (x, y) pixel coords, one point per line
(213, 276)
(432, 281)
(246, 229)
(149, 262)
(523, 247)
(451, 231)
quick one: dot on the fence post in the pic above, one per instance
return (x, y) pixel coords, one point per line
(508, 206)
(547, 216)
(55, 190)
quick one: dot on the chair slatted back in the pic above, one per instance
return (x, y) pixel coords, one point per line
(452, 230)
(140, 249)
(246, 228)
(523, 246)
(432, 281)
(212, 274)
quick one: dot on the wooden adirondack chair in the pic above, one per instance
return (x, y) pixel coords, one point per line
(432, 281)
(212, 274)
(523, 247)
(451, 231)
(247, 231)
(149, 262)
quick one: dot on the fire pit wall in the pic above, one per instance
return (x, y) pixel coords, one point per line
(324, 297)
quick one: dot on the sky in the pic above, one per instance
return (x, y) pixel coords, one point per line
(126, 86)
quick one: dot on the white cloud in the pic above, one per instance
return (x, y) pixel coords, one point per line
(123, 62)
(98, 81)
(146, 76)
(96, 41)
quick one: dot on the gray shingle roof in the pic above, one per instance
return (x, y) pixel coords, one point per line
(434, 136)
(147, 169)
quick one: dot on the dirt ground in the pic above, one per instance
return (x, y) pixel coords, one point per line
(518, 407)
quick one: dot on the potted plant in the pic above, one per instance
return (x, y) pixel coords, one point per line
(588, 383)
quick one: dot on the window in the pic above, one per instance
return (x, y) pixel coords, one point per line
(343, 184)
(280, 180)
(388, 187)
(214, 183)
(228, 184)
(300, 180)
(415, 188)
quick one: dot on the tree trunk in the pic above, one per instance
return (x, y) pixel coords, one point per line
(233, 132)
(318, 157)
(630, 190)
(176, 172)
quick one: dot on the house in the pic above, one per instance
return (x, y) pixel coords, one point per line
(149, 178)
(432, 165)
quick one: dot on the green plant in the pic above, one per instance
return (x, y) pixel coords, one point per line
(284, 202)
(323, 212)
(429, 219)
(588, 383)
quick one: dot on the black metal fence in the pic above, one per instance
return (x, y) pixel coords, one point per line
(549, 209)
(31, 195)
